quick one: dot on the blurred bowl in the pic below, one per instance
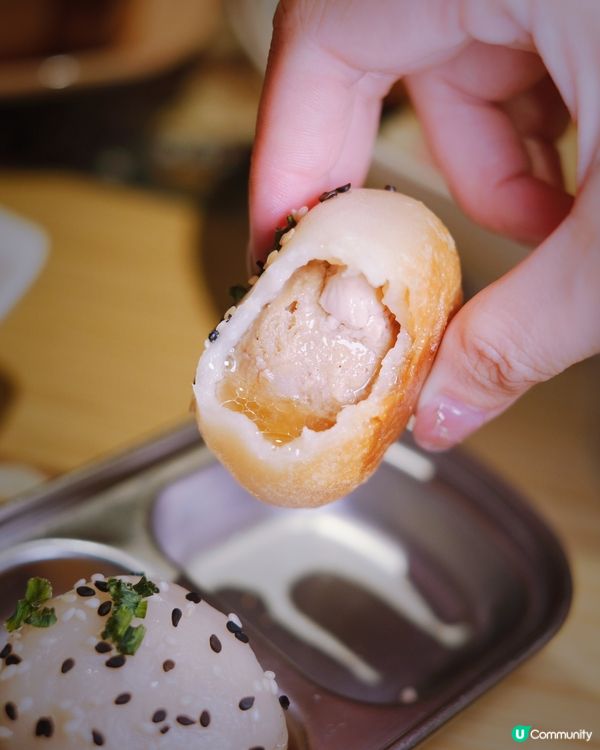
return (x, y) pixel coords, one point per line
(53, 45)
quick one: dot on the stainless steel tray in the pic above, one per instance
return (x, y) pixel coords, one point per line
(382, 614)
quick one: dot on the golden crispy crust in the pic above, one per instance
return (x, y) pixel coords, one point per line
(399, 245)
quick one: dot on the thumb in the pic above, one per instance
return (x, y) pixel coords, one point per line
(528, 326)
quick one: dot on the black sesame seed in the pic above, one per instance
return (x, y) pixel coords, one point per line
(215, 643)
(11, 711)
(391, 188)
(193, 596)
(246, 703)
(176, 616)
(97, 737)
(242, 637)
(44, 727)
(85, 591)
(67, 665)
(213, 335)
(103, 647)
(284, 702)
(13, 659)
(159, 715)
(165, 729)
(343, 188)
(104, 608)
(5, 651)
(258, 747)
(204, 718)
(122, 699)
(233, 627)
(101, 586)
(184, 720)
(168, 665)
(327, 195)
(115, 661)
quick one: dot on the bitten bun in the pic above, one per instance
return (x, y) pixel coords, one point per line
(305, 384)
(193, 682)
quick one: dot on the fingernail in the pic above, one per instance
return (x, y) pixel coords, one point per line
(445, 422)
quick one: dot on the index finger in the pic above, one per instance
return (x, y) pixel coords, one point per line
(316, 126)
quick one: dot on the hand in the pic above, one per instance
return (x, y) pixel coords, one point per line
(488, 81)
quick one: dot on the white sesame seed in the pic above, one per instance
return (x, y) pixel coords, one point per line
(206, 343)
(80, 614)
(8, 672)
(26, 704)
(5, 732)
(70, 727)
(186, 700)
(80, 582)
(147, 727)
(68, 597)
(68, 614)
(287, 237)
(270, 258)
(163, 585)
(92, 603)
(98, 577)
(269, 674)
(274, 688)
(91, 641)
(232, 617)
(154, 684)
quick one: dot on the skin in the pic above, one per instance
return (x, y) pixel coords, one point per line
(494, 84)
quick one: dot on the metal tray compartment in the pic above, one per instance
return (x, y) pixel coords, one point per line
(382, 614)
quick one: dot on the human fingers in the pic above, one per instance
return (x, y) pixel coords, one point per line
(316, 126)
(528, 326)
(499, 161)
(540, 116)
(330, 64)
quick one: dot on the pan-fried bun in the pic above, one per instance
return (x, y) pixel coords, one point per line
(305, 384)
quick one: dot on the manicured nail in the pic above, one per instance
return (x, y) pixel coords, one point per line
(445, 422)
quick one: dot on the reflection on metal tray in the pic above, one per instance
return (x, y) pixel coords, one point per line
(383, 614)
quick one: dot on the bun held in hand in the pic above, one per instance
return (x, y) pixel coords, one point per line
(303, 386)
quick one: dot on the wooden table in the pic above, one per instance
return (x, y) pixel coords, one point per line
(101, 353)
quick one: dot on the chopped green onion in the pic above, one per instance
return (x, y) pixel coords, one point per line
(28, 612)
(132, 640)
(127, 604)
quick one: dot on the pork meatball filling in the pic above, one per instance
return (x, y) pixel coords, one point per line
(316, 348)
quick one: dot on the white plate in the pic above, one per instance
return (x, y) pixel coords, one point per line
(23, 251)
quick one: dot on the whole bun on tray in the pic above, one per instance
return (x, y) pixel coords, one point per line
(187, 680)
(304, 385)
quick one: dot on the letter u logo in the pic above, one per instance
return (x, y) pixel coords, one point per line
(520, 733)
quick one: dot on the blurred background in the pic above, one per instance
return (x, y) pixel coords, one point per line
(125, 135)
